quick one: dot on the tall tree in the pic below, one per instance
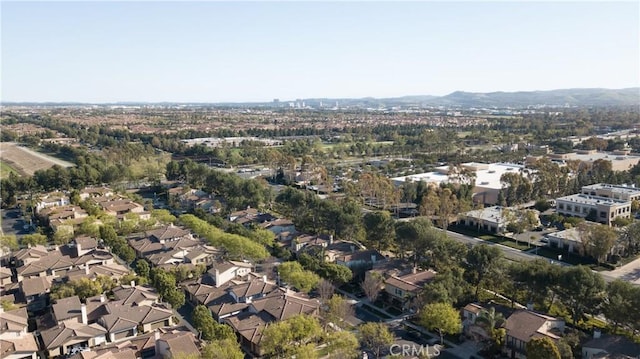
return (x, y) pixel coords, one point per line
(372, 285)
(542, 348)
(581, 291)
(291, 337)
(376, 337)
(380, 229)
(481, 261)
(441, 317)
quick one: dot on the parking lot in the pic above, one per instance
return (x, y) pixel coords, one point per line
(14, 223)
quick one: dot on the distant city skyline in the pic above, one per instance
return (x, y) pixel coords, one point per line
(99, 52)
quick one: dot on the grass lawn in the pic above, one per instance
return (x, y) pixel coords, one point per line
(567, 258)
(509, 243)
(5, 170)
(491, 238)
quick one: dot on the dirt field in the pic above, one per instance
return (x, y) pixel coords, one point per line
(26, 161)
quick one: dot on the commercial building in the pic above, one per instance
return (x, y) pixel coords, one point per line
(623, 192)
(486, 177)
(490, 219)
(602, 209)
(620, 160)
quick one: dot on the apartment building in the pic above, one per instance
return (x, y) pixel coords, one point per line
(623, 192)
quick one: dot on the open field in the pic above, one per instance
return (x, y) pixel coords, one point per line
(25, 161)
(5, 170)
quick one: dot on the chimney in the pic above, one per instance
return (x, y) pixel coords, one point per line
(1, 309)
(103, 298)
(414, 270)
(353, 248)
(83, 311)
(331, 239)
(156, 337)
(596, 333)
(529, 306)
(86, 269)
(133, 283)
(264, 278)
(217, 278)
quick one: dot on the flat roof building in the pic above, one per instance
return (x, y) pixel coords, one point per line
(623, 192)
(487, 178)
(582, 205)
(620, 160)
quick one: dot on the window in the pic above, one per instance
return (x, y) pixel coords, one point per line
(561, 205)
(603, 214)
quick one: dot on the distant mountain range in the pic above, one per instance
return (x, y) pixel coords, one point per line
(571, 97)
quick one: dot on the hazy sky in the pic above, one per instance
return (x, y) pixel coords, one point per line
(258, 51)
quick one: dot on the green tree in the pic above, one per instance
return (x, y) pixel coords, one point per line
(142, 268)
(342, 345)
(8, 242)
(175, 297)
(542, 348)
(108, 234)
(293, 274)
(372, 285)
(376, 337)
(620, 304)
(222, 349)
(481, 261)
(441, 317)
(33, 239)
(336, 273)
(597, 240)
(581, 291)
(338, 309)
(207, 326)
(163, 216)
(380, 230)
(290, 337)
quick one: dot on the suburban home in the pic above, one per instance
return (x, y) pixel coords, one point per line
(25, 256)
(67, 308)
(35, 292)
(5, 276)
(361, 258)
(15, 341)
(172, 345)
(274, 307)
(120, 208)
(524, 325)
(202, 254)
(610, 347)
(95, 192)
(307, 240)
(244, 216)
(136, 295)
(402, 290)
(225, 271)
(54, 199)
(82, 245)
(249, 327)
(279, 225)
(63, 338)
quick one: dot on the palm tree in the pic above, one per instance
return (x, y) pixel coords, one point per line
(489, 318)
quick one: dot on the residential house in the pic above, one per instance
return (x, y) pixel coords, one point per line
(35, 292)
(15, 341)
(54, 199)
(119, 208)
(70, 336)
(172, 345)
(403, 289)
(279, 225)
(524, 325)
(96, 192)
(5, 276)
(610, 347)
(202, 254)
(304, 240)
(67, 308)
(63, 218)
(360, 259)
(225, 271)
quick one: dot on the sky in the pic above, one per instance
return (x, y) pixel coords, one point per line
(212, 51)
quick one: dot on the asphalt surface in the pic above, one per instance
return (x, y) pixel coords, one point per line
(13, 222)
